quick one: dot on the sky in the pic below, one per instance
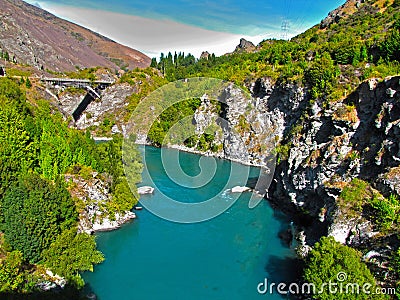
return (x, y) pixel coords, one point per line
(191, 26)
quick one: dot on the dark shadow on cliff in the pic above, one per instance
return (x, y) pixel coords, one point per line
(302, 218)
(372, 104)
(282, 98)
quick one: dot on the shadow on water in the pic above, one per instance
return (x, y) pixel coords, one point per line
(284, 270)
(285, 230)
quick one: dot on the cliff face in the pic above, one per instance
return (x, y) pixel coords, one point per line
(356, 137)
(35, 37)
(329, 144)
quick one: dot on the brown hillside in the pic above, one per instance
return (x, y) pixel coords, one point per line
(33, 36)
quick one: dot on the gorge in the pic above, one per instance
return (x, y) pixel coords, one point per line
(222, 258)
(319, 113)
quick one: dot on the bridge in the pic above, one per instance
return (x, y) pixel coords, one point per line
(93, 88)
(78, 83)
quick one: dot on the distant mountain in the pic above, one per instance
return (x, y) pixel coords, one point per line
(33, 36)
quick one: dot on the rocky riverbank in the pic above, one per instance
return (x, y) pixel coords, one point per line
(93, 194)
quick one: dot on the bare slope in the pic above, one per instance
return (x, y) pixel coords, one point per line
(33, 36)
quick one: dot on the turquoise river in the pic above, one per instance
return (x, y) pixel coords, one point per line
(223, 258)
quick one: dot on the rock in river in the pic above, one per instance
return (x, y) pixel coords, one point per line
(143, 190)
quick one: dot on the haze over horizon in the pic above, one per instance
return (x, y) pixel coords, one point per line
(190, 26)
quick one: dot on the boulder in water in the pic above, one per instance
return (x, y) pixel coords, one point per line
(240, 189)
(144, 190)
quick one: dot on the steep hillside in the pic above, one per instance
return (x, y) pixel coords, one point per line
(35, 37)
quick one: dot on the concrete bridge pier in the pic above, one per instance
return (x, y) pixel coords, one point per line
(92, 94)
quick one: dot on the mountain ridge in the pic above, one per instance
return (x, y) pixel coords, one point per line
(36, 37)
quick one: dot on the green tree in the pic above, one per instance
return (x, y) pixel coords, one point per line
(322, 75)
(333, 262)
(390, 47)
(72, 253)
(153, 63)
(17, 149)
(386, 211)
(35, 211)
(28, 83)
(12, 275)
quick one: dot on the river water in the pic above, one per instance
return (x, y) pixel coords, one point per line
(223, 258)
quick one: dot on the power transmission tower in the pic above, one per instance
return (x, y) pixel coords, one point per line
(285, 30)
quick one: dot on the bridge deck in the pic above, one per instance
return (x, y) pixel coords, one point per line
(76, 81)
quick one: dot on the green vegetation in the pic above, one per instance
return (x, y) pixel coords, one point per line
(322, 75)
(4, 55)
(333, 262)
(354, 196)
(12, 276)
(18, 72)
(146, 81)
(111, 156)
(387, 212)
(72, 253)
(283, 151)
(358, 198)
(173, 67)
(34, 213)
(38, 216)
(331, 61)
(89, 73)
(169, 117)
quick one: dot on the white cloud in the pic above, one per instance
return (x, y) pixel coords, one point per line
(151, 36)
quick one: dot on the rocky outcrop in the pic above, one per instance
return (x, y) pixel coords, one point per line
(94, 194)
(51, 281)
(245, 128)
(389, 182)
(108, 224)
(345, 10)
(245, 46)
(113, 100)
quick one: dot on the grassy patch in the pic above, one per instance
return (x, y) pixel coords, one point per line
(354, 196)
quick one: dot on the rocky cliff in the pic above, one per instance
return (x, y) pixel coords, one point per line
(332, 144)
(93, 194)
